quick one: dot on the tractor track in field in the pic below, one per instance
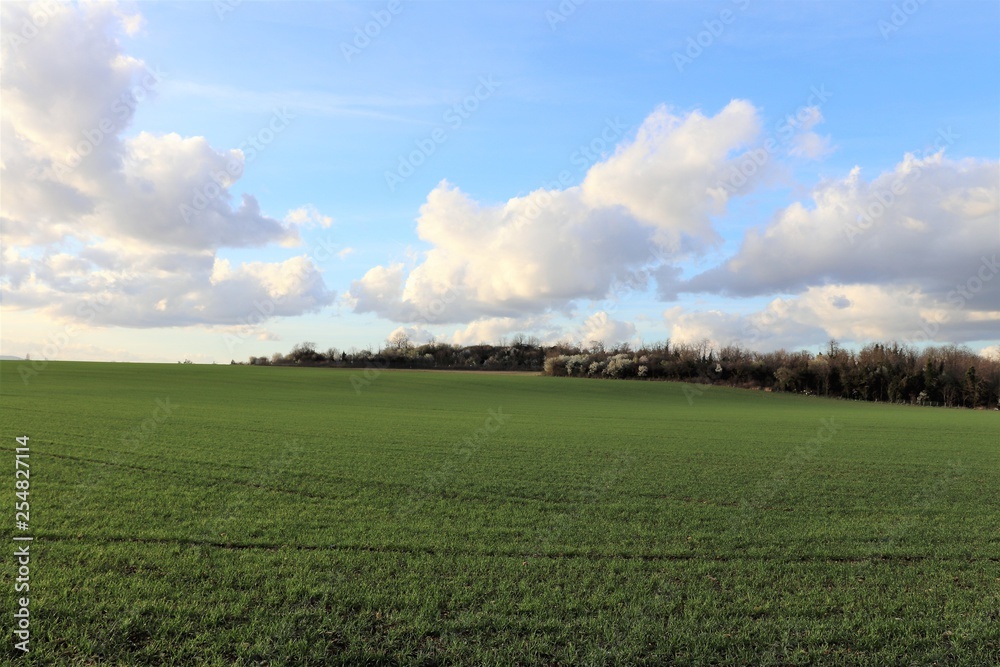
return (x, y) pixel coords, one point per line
(187, 476)
(429, 551)
(403, 489)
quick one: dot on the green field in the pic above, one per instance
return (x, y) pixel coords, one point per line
(235, 515)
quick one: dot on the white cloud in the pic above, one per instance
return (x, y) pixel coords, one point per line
(491, 329)
(664, 176)
(912, 269)
(416, 335)
(601, 327)
(138, 221)
(931, 222)
(855, 313)
(539, 253)
(168, 289)
(308, 217)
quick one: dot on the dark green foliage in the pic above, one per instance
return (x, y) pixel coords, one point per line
(878, 372)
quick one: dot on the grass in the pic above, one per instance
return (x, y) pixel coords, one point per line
(231, 515)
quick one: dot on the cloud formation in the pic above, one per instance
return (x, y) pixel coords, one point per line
(652, 199)
(909, 255)
(850, 313)
(138, 220)
(929, 222)
(602, 327)
(898, 256)
(108, 226)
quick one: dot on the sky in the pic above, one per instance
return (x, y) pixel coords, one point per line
(215, 180)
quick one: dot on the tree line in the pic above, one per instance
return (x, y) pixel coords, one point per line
(950, 375)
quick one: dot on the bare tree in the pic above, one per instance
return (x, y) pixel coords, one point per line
(399, 341)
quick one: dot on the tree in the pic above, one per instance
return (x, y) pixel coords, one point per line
(305, 347)
(399, 341)
(785, 377)
(821, 367)
(304, 352)
(972, 387)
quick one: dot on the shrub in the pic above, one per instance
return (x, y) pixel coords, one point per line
(620, 365)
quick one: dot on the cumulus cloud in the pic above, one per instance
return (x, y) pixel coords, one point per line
(135, 221)
(602, 327)
(855, 313)
(667, 177)
(599, 326)
(908, 255)
(930, 222)
(492, 329)
(180, 289)
(415, 335)
(898, 256)
(649, 202)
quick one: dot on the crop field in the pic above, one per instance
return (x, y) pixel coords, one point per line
(236, 515)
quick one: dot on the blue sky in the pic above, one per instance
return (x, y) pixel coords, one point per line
(639, 242)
